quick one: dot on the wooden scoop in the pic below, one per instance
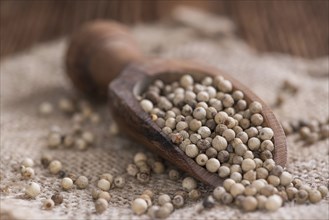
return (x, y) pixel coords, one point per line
(102, 56)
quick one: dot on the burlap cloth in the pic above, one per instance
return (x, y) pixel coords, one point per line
(37, 75)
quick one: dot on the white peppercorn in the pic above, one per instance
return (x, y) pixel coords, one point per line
(107, 176)
(291, 192)
(250, 191)
(146, 105)
(28, 172)
(164, 198)
(223, 156)
(323, 190)
(229, 134)
(139, 206)
(224, 171)
(285, 178)
(182, 125)
(151, 212)
(147, 199)
(269, 164)
(249, 203)
(191, 150)
(186, 81)
(267, 145)
(148, 192)
(257, 119)
(255, 107)
(227, 184)
(259, 162)
(57, 198)
(221, 117)
(173, 174)
(273, 203)
(204, 131)
(241, 105)
(68, 140)
(104, 195)
(211, 152)
(258, 184)
(242, 136)
(315, 196)
(225, 85)
(301, 196)
(237, 189)
(261, 200)
(237, 95)
(261, 173)
(235, 168)
(163, 212)
(178, 201)
(219, 143)
(189, 183)
(248, 164)
(82, 182)
(194, 194)
(268, 190)
(227, 100)
(66, 183)
(240, 149)
(32, 190)
(132, 169)
(48, 204)
(273, 180)
(140, 157)
(158, 167)
(201, 159)
(55, 166)
(27, 162)
(119, 181)
(101, 205)
(226, 198)
(266, 133)
(254, 143)
(103, 184)
(171, 123)
(250, 175)
(212, 165)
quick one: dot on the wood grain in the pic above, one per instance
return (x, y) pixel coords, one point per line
(298, 27)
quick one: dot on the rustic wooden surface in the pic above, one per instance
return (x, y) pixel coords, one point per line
(133, 78)
(298, 27)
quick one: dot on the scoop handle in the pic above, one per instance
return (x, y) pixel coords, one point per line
(97, 53)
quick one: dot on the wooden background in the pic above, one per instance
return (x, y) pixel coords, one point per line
(298, 27)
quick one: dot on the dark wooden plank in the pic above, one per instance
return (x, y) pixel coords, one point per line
(297, 27)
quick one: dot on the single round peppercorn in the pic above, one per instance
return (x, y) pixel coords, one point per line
(273, 203)
(55, 166)
(67, 183)
(101, 205)
(48, 204)
(82, 182)
(32, 190)
(189, 184)
(139, 206)
(57, 198)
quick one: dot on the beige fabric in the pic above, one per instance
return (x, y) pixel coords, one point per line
(38, 75)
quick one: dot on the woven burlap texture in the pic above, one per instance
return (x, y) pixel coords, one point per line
(38, 75)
